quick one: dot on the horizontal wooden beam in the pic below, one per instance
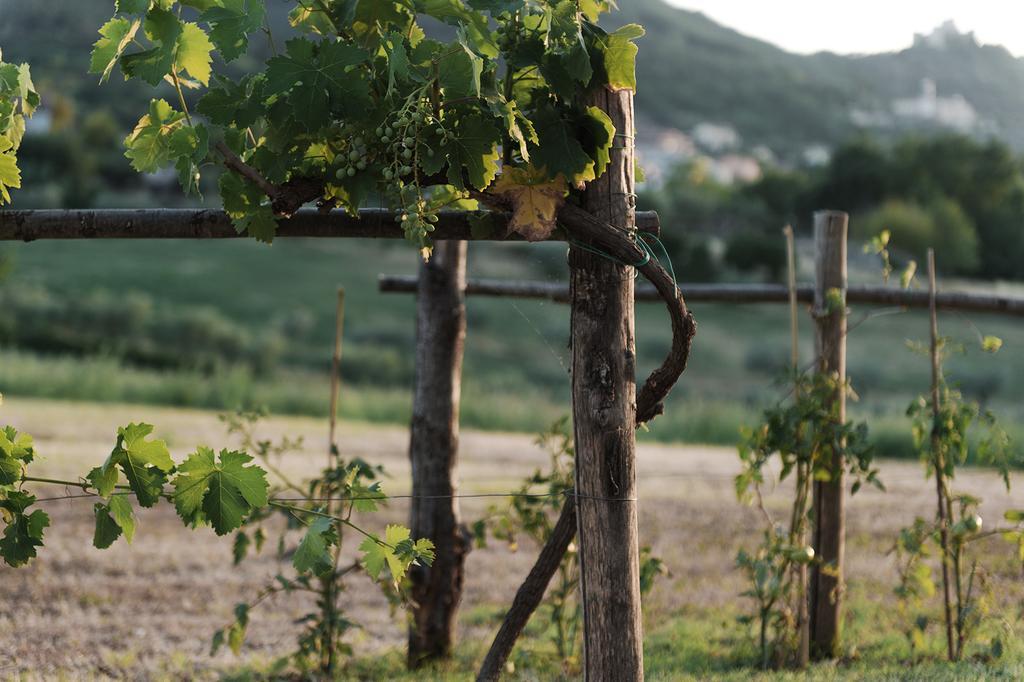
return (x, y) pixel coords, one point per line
(173, 223)
(734, 293)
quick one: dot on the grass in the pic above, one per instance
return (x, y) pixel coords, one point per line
(705, 644)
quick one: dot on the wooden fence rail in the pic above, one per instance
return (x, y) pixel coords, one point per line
(735, 293)
(174, 223)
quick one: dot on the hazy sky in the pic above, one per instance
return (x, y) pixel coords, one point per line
(863, 25)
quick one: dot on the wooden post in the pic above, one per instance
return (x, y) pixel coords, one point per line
(604, 413)
(433, 449)
(827, 586)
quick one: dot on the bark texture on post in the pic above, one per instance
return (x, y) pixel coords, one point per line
(826, 593)
(604, 413)
(433, 450)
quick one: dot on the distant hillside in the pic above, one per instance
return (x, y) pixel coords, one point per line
(693, 69)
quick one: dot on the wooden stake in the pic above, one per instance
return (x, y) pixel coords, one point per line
(339, 331)
(604, 412)
(433, 452)
(827, 588)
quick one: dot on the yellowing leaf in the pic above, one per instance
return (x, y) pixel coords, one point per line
(535, 200)
(193, 55)
(991, 344)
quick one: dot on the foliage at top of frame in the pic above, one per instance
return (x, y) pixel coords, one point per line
(361, 102)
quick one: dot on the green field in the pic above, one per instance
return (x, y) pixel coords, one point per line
(516, 360)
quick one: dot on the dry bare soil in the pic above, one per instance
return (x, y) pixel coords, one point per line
(147, 611)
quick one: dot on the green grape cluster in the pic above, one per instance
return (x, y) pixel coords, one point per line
(353, 158)
(401, 136)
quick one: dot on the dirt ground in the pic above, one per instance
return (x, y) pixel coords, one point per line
(148, 610)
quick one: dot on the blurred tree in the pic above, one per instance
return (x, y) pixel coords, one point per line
(942, 225)
(753, 250)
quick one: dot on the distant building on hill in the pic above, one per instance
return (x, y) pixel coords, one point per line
(952, 112)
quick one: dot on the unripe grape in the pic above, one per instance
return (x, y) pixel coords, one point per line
(361, 165)
(406, 170)
(407, 154)
(388, 175)
(388, 130)
(385, 139)
(430, 152)
(380, 131)
(340, 173)
(350, 172)
(439, 131)
(417, 117)
(358, 142)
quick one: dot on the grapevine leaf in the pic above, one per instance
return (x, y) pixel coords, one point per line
(231, 22)
(594, 8)
(16, 450)
(145, 464)
(317, 80)
(377, 555)
(597, 132)
(233, 103)
(313, 552)
(261, 224)
(112, 519)
(189, 145)
(398, 60)
(473, 24)
(107, 531)
(24, 532)
(559, 149)
(117, 35)
(397, 551)
(149, 146)
(221, 492)
(617, 53)
(535, 200)
(519, 128)
(132, 6)
(459, 72)
(10, 174)
(366, 498)
(163, 29)
(243, 202)
(474, 150)
(193, 52)
(29, 96)
(121, 510)
(497, 6)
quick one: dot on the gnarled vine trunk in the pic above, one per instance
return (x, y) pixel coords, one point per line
(433, 449)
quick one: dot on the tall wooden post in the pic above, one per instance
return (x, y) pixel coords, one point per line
(827, 585)
(604, 413)
(433, 450)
